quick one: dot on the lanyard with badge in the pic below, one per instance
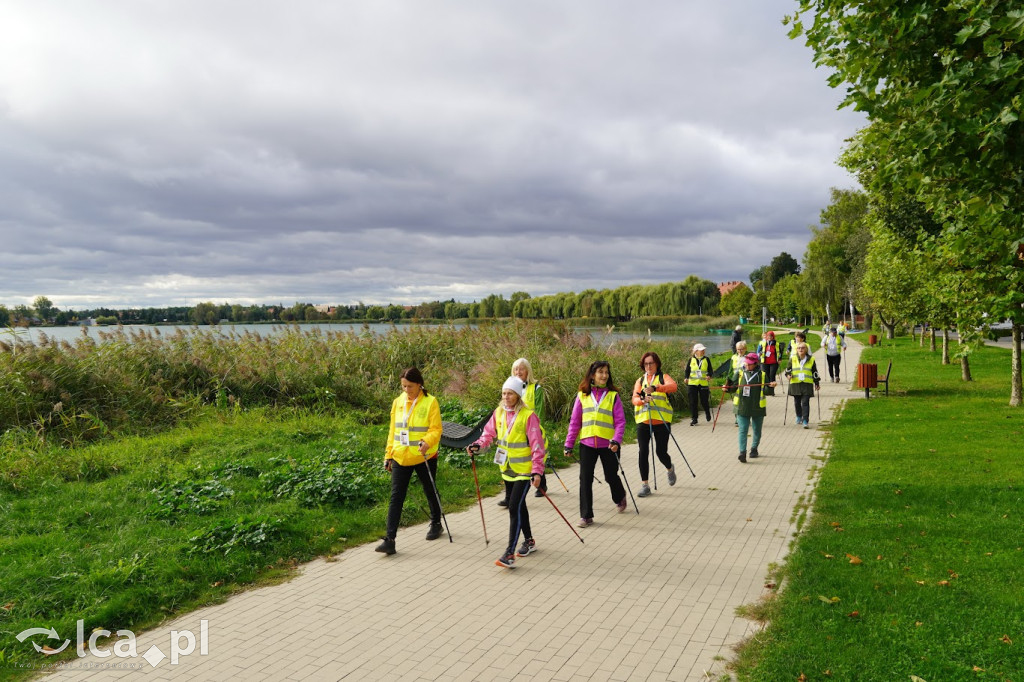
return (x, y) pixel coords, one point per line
(403, 435)
(746, 380)
(500, 453)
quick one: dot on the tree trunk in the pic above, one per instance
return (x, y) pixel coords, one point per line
(965, 368)
(933, 339)
(945, 346)
(922, 335)
(913, 332)
(1015, 380)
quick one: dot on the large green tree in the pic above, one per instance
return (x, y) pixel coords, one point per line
(941, 84)
(834, 259)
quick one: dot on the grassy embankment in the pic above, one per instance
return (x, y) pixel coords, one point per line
(146, 476)
(912, 563)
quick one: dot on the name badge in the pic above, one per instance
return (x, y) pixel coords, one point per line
(699, 374)
(403, 436)
(500, 455)
(801, 376)
(746, 391)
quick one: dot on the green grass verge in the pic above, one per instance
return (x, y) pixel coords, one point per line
(923, 488)
(125, 533)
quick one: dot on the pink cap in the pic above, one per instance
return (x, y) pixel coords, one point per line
(752, 357)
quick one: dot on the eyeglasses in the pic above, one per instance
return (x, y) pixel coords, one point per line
(650, 363)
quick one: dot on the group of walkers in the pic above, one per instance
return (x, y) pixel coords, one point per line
(597, 424)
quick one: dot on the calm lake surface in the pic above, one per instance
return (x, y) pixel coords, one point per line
(716, 343)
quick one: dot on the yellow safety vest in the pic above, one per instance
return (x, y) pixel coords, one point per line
(418, 424)
(701, 374)
(598, 420)
(519, 460)
(804, 375)
(755, 380)
(660, 407)
(530, 403)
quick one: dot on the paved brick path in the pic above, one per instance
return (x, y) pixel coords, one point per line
(649, 597)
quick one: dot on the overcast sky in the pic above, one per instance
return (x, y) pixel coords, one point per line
(167, 152)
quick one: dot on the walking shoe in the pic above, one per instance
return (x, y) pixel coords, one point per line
(754, 453)
(434, 532)
(622, 505)
(503, 503)
(527, 547)
(540, 492)
(671, 476)
(743, 456)
(583, 523)
(693, 423)
(387, 546)
(506, 561)
(644, 491)
(707, 416)
(806, 426)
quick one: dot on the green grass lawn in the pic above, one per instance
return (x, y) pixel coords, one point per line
(127, 532)
(912, 563)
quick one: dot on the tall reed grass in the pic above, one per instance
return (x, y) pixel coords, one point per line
(131, 382)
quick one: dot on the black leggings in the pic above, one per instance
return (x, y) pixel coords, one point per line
(643, 439)
(588, 462)
(833, 365)
(705, 400)
(400, 477)
(518, 516)
(802, 406)
(770, 370)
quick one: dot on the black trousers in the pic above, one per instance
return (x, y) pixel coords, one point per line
(770, 370)
(518, 516)
(833, 365)
(704, 393)
(643, 439)
(588, 462)
(400, 478)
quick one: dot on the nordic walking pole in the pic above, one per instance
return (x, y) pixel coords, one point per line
(654, 467)
(719, 410)
(619, 460)
(785, 412)
(472, 460)
(681, 451)
(817, 392)
(438, 496)
(555, 472)
(560, 513)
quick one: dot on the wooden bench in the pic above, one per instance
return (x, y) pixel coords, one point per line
(885, 379)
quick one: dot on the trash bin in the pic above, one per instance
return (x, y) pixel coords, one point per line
(743, 320)
(872, 339)
(867, 377)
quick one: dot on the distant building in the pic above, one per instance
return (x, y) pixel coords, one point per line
(726, 287)
(326, 309)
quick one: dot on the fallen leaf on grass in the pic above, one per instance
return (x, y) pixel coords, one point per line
(8, 606)
(899, 492)
(943, 583)
(829, 600)
(915, 678)
(802, 678)
(827, 673)
(827, 556)
(919, 582)
(853, 614)
(1006, 640)
(879, 557)
(770, 586)
(217, 584)
(855, 559)
(918, 624)
(952, 573)
(834, 524)
(977, 669)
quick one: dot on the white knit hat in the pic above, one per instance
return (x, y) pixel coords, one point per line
(514, 384)
(698, 346)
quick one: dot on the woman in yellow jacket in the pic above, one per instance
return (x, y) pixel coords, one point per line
(519, 453)
(653, 415)
(412, 447)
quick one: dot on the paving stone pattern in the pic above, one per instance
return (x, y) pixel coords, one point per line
(646, 597)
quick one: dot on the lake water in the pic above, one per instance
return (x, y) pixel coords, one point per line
(716, 343)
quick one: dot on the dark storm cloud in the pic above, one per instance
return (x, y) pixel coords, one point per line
(166, 152)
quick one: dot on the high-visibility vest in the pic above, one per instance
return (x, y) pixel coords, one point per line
(519, 460)
(530, 402)
(659, 408)
(762, 350)
(418, 424)
(697, 370)
(737, 362)
(832, 345)
(802, 375)
(598, 419)
(758, 378)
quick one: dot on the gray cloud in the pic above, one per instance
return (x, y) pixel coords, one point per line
(167, 153)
